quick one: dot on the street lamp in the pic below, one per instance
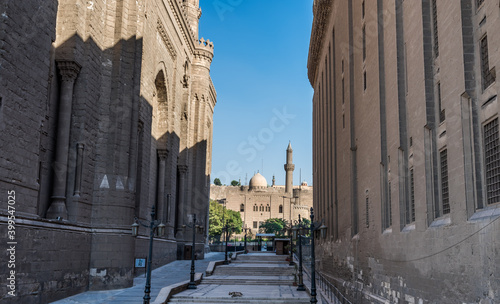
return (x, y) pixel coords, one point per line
(288, 229)
(315, 226)
(225, 229)
(299, 229)
(135, 231)
(192, 284)
(245, 229)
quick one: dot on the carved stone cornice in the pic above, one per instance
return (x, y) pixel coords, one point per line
(321, 10)
(166, 40)
(182, 20)
(68, 69)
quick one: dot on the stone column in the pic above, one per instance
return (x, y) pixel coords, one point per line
(162, 157)
(79, 165)
(69, 71)
(182, 204)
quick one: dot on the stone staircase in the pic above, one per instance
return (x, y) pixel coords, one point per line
(255, 278)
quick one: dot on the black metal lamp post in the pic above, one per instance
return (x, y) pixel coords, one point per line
(315, 226)
(299, 229)
(192, 284)
(225, 229)
(245, 229)
(135, 231)
(288, 228)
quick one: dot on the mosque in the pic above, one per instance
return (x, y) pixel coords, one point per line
(259, 201)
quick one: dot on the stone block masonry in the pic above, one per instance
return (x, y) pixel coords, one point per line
(100, 120)
(405, 141)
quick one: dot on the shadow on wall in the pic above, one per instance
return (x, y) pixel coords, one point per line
(111, 174)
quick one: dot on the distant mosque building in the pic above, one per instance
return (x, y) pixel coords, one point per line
(258, 201)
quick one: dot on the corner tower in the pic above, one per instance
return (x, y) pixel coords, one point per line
(289, 167)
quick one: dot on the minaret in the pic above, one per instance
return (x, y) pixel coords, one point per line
(274, 181)
(289, 167)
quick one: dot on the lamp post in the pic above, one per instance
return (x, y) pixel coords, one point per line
(245, 229)
(299, 228)
(135, 231)
(315, 226)
(225, 229)
(192, 284)
(288, 228)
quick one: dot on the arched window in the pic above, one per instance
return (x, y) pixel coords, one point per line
(242, 208)
(268, 208)
(254, 207)
(281, 209)
(261, 208)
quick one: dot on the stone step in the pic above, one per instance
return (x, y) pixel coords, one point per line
(249, 280)
(261, 258)
(255, 271)
(261, 262)
(250, 274)
(256, 300)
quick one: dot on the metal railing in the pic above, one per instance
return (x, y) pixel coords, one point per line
(324, 286)
(329, 290)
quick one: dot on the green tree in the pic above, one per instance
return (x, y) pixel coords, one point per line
(273, 225)
(217, 182)
(217, 214)
(307, 223)
(235, 183)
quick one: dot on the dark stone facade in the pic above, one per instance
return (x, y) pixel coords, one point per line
(105, 110)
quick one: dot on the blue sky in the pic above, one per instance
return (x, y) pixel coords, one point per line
(264, 98)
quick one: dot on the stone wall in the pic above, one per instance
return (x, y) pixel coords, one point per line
(399, 116)
(106, 111)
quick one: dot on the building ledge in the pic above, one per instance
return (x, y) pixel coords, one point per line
(441, 222)
(409, 228)
(487, 213)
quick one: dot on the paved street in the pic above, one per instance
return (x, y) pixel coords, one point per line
(169, 274)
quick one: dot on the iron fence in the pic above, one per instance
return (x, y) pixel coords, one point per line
(326, 287)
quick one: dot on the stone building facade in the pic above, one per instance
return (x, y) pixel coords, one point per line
(406, 148)
(259, 201)
(105, 110)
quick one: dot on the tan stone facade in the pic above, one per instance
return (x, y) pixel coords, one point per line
(259, 201)
(406, 148)
(105, 110)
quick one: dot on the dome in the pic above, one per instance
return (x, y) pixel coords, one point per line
(258, 182)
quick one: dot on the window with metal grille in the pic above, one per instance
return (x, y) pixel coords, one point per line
(435, 28)
(343, 89)
(479, 3)
(389, 202)
(492, 158)
(445, 195)
(364, 42)
(242, 208)
(364, 80)
(367, 213)
(442, 114)
(487, 74)
(255, 224)
(412, 196)
(281, 209)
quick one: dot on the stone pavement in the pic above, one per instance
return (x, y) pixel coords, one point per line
(255, 277)
(172, 273)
